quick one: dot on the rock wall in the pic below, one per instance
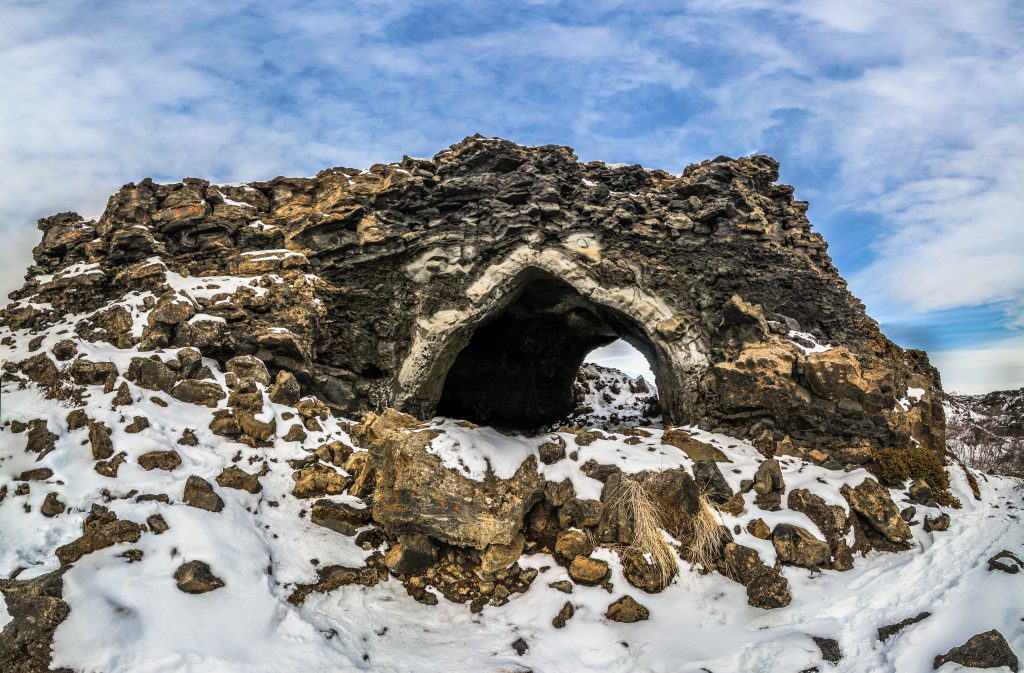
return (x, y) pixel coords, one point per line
(495, 268)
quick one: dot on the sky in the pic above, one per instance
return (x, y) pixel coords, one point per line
(900, 122)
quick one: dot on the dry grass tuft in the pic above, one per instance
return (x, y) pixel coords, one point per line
(705, 535)
(648, 538)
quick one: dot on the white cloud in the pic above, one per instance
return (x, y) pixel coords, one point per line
(996, 366)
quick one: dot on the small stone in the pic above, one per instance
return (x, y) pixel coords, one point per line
(199, 493)
(159, 460)
(768, 477)
(1007, 562)
(132, 555)
(984, 650)
(235, 477)
(188, 438)
(520, 646)
(205, 393)
(38, 474)
(572, 543)
(829, 647)
(937, 524)
(295, 434)
(52, 506)
(500, 556)
(759, 529)
(157, 524)
(99, 438)
(109, 468)
(316, 481)
(627, 611)
(553, 451)
(565, 586)
(77, 419)
(588, 571)
(888, 631)
(908, 513)
(248, 368)
(196, 577)
(138, 424)
(286, 389)
(564, 615)
(338, 516)
(710, 480)
(920, 493)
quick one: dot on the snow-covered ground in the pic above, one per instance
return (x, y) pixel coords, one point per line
(129, 616)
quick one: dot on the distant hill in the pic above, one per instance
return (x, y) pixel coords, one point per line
(987, 431)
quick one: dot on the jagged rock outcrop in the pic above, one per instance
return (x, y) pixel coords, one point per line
(435, 284)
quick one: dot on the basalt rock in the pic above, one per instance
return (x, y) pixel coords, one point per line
(36, 610)
(504, 266)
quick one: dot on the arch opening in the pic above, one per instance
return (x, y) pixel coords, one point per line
(517, 369)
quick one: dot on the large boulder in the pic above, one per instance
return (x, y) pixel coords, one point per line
(416, 493)
(872, 502)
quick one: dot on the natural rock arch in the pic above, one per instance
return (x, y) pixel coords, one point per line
(366, 285)
(510, 356)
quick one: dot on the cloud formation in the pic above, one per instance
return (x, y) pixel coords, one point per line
(900, 121)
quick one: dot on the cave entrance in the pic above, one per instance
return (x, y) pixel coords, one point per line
(517, 369)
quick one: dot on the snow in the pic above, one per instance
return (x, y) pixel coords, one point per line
(127, 617)
(807, 342)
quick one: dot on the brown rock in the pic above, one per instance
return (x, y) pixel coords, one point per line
(199, 493)
(627, 611)
(759, 529)
(563, 616)
(588, 571)
(316, 481)
(411, 554)
(157, 524)
(52, 506)
(151, 374)
(695, 449)
(38, 474)
(99, 438)
(235, 477)
(138, 424)
(796, 546)
(939, 523)
(552, 451)
(285, 389)
(109, 468)
(248, 368)
(102, 529)
(196, 577)
(206, 393)
(339, 517)
(159, 460)
(35, 610)
(873, 502)
(333, 577)
(497, 557)
(766, 588)
(572, 543)
(984, 650)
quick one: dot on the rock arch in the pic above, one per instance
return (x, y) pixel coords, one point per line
(541, 310)
(367, 285)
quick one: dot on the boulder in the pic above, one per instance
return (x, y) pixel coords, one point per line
(500, 556)
(52, 506)
(710, 481)
(416, 493)
(874, 504)
(572, 543)
(796, 546)
(984, 650)
(286, 389)
(766, 587)
(99, 438)
(35, 609)
(151, 374)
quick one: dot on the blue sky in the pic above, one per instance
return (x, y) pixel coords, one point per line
(900, 122)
